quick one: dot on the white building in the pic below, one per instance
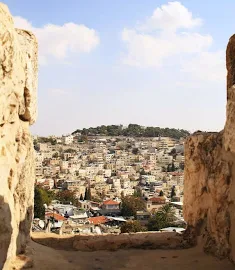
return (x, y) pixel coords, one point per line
(43, 146)
(179, 158)
(165, 159)
(64, 165)
(116, 183)
(68, 139)
(39, 156)
(128, 191)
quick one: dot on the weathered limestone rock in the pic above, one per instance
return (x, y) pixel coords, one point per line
(143, 240)
(229, 136)
(18, 109)
(209, 188)
(208, 175)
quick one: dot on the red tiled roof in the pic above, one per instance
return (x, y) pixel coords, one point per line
(98, 220)
(108, 202)
(56, 216)
(157, 199)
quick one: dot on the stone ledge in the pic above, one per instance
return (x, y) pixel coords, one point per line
(143, 240)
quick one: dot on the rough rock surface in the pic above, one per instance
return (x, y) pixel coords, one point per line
(18, 84)
(209, 187)
(144, 240)
(208, 173)
(229, 135)
(126, 259)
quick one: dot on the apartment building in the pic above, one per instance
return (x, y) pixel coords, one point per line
(155, 203)
(67, 139)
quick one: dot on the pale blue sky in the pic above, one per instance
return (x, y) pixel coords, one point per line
(153, 63)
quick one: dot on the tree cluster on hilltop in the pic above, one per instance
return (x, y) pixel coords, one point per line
(133, 130)
(45, 140)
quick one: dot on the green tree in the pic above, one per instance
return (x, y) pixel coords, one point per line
(122, 195)
(182, 165)
(161, 193)
(53, 142)
(175, 199)
(143, 172)
(66, 196)
(137, 192)
(87, 194)
(36, 147)
(135, 151)
(39, 209)
(156, 222)
(84, 138)
(132, 226)
(55, 155)
(169, 168)
(81, 197)
(35, 142)
(164, 217)
(168, 212)
(173, 194)
(46, 195)
(172, 167)
(131, 204)
(133, 130)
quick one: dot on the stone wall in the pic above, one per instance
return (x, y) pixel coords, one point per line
(209, 187)
(18, 110)
(111, 242)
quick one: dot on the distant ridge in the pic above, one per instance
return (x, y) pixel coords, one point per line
(133, 130)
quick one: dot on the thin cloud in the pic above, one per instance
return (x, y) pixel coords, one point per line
(167, 36)
(171, 17)
(59, 41)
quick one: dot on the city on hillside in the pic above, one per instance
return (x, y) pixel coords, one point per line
(95, 183)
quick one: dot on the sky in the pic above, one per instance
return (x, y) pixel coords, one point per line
(153, 63)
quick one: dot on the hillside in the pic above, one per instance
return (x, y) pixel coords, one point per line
(133, 130)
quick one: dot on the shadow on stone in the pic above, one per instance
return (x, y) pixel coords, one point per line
(24, 232)
(5, 230)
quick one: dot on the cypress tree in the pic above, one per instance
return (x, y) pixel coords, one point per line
(173, 194)
(169, 168)
(89, 193)
(86, 195)
(39, 209)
